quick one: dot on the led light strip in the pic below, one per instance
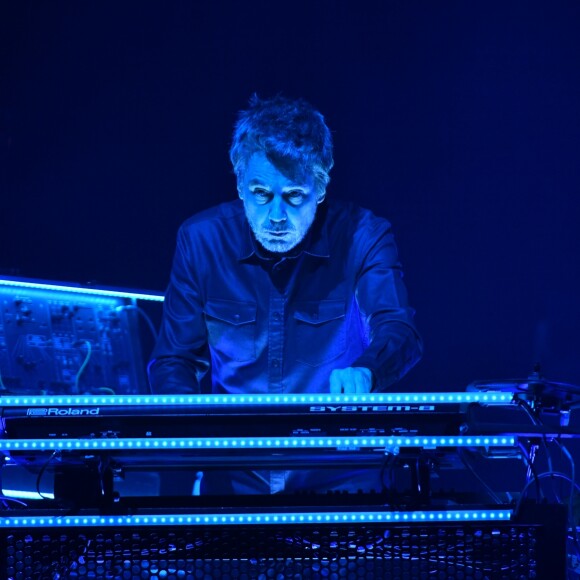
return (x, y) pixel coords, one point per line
(262, 519)
(253, 443)
(80, 290)
(394, 399)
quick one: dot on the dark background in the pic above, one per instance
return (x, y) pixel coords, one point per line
(459, 121)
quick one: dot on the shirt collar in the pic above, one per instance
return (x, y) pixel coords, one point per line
(316, 240)
(318, 235)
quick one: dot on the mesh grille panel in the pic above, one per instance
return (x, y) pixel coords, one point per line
(244, 552)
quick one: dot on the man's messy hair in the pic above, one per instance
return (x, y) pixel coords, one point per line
(289, 131)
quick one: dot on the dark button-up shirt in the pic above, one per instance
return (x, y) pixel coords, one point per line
(269, 323)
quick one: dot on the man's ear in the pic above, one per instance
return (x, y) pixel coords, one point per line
(321, 197)
(240, 194)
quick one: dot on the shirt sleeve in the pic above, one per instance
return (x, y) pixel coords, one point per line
(394, 343)
(180, 358)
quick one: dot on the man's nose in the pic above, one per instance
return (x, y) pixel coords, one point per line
(277, 212)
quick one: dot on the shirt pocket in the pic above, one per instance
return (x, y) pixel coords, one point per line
(231, 328)
(320, 331)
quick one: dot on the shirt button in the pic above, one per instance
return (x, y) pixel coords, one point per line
(277, 316)
(275, 363)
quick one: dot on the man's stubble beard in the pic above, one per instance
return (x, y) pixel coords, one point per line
(283, 245)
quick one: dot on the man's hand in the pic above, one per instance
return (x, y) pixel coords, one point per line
(351, 380)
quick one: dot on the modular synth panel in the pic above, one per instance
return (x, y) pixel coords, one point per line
(55, 340)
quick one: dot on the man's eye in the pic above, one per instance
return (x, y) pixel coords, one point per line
(261, 193)
(295, 197)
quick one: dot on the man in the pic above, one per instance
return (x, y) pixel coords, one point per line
(283, 291)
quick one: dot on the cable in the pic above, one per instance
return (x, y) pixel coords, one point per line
(574, 486)
(4, 499)
(537, 421)
(529, 411)
(570, 458)
(542, 476)
(571, 498)
(150, 324)
(145, 316)
(41, 473)
(387, 463)
(83, 366)
(148, 321)
(101, 391)
(532, 468)
(551, 473)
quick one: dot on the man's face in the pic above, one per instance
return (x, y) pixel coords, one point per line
(280, 207)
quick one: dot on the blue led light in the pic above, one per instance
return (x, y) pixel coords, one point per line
(80, 290)
(380, 403)
(170, 443)
(254, 518)
(21, 494)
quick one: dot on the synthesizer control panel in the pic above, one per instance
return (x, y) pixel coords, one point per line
(63, 342)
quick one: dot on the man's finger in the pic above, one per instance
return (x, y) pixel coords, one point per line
(348, 380)
(335, 382)
(363, 379)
